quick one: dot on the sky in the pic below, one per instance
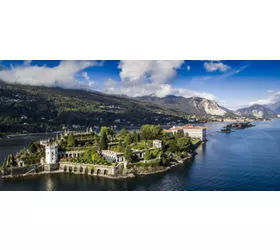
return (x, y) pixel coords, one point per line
(233, 84)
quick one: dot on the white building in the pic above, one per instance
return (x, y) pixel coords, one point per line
(195, 132)
(157, 143)
(44, 142)
(112, 156)
(51, 152)
(191, 130)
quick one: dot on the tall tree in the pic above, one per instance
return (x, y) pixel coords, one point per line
(123, 132)
(71, 142)
(103, 144)
(110, 133)
(32, 147)
(135, 137)
(128, 154)
(128, 139)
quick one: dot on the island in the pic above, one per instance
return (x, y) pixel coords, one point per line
(106, 153)
(226, 129)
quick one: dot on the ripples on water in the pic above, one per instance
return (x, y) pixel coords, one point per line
(245, 160)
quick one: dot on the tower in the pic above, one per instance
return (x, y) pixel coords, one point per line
(51, 156)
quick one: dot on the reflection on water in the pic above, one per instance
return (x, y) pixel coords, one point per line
(244, 160)
(49, 184)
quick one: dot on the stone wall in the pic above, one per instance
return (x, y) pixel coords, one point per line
(90, 169)
(22, 170)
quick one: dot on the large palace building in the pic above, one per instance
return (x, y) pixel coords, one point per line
(191, 130)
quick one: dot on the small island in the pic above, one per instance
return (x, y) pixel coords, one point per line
(106, 153)
(226, 129)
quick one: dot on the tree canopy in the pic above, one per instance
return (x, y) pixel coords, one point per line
(128, 154)
(103, 144)
(71, 142)
(147, 155)
(128, 139)
(148, 132)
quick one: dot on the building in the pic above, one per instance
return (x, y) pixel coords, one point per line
(51, 152)
(192, 130)
(112, 156)
(44, 142)
(195, 131)
(174, 130)
(157, 143)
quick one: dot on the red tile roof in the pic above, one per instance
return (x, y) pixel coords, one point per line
(186, 126)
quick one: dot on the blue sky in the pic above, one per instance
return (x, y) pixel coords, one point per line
(233, 84)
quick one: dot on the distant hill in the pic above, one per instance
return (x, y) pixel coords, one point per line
(256, 110)
(27, 104)
(193, 105)
(275, 107)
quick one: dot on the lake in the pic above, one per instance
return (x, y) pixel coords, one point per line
(248, 159)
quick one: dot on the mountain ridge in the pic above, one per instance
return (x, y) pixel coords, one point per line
(256, 110)
(192, 105)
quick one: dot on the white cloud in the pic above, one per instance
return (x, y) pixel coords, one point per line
(110, 86)
(274, 96)
(63, 75)
(89, 81)
(188, 68)
(214, 66)
(140, 78)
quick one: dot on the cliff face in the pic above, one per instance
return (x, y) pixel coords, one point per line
(192, 105)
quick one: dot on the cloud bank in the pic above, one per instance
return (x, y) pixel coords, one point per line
(140, 78)
(63, 75)
(274, 96)
(137, 77)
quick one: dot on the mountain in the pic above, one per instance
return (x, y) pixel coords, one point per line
(38, 105)
(193, 105)
(275, 107)
(256, 110)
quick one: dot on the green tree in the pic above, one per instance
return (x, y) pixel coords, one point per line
(120, 147)
(103, 140)
(128, 139)
(149, 132)
(32, 148)
(163, 161)
(71, 142)
(179, 134)
(183, 142)
(110, 133)
(128, 154)
(172, 146)
(135, 136)
(147, 155)
(123, 132)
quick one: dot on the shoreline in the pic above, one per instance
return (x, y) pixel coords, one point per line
(130, 175)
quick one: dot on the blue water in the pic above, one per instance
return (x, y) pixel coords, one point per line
(248, 159)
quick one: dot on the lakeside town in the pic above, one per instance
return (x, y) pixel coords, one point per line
(118, 124)
(108, 154)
